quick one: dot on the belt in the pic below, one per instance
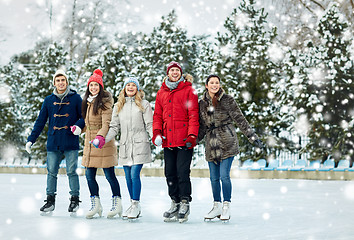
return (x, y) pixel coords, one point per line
(212, 127)
(93, 127)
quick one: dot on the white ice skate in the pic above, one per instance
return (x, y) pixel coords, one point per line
(225, 216)
(216, 211)
(96, 207)
(116, 207)
(135, 211)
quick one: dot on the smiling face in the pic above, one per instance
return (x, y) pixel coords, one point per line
(94, 88)
(174, 74)
(61, 84)
(213, 86)
(131, 89)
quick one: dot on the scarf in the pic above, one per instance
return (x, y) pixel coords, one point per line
(173, 85)
(61, 95)
(91, 98)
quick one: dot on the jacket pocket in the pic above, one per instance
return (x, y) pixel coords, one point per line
(122, 150)
(141, 147)
(181, 130)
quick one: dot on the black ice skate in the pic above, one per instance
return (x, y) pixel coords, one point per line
(183, 211)
(74, 204)
(49, 205)
(171, 214)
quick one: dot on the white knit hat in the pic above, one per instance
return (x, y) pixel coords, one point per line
(60, 72)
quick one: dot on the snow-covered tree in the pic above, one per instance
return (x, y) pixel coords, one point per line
(250, 71)
(323, 86)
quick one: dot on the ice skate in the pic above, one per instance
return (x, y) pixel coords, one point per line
(216, 211)
(135, 211)
(49, 206)
(171, 214)
(74, 205)
(125, 214)
(96, 207)
(225, 216)
(183, 211)
(116, 207)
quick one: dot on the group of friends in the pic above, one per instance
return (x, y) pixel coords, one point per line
(179, 122)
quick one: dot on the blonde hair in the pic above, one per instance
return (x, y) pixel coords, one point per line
(139, 96)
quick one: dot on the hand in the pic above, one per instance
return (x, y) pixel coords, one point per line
(157, 138)
(258, 143)
(191, 141)
(98, 142)
(28, 147)
(76, 130)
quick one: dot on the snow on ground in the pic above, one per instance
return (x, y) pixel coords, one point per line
(261, 209)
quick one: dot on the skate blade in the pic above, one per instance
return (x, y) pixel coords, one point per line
(225, 220)
(182, 220)
(46, 214)
(172, 219)
(206, 219)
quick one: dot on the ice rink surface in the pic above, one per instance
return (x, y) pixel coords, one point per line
(261, 209)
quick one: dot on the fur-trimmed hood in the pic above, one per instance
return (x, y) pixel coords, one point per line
(187, 77)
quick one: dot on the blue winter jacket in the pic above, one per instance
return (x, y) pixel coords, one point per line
(61, 114)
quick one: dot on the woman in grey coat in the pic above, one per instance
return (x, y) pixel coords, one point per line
(217, 113)
(132, 117)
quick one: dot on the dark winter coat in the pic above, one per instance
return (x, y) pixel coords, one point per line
(61, 114)
(217, 124)
(99, 125)
(176, 113)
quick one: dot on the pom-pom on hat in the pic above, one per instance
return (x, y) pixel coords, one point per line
(173, 64)
(131, 79)
(96, 77)
(60, 72)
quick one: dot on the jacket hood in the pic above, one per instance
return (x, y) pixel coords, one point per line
(187, 77)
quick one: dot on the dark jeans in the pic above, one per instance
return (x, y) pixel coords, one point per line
(177, 172)
(110, 176)
(132, 177)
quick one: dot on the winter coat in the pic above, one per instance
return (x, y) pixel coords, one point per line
(176, 113)
(61, 114)
(99, 125)
(135, 127)
(217, 124)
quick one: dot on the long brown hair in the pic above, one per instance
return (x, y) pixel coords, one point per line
(99, 103)
(214, 100)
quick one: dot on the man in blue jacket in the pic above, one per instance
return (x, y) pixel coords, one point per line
(63, 109)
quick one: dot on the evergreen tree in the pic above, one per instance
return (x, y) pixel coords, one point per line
(250, 72)
(325, 96)
(167, 42)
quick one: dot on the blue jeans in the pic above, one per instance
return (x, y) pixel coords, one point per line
(53, 160)
(221, 172)
(110, 176)
(132, 177)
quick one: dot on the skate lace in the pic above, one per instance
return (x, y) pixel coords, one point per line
(183, 208)
(93, 204)
(173, 207)
(114, 204)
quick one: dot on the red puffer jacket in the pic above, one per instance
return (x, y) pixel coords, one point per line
(177, 113)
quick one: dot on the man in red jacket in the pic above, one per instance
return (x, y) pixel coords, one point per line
(175, 127)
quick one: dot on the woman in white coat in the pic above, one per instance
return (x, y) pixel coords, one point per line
(132, 117)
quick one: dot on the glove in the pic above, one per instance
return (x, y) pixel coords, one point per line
(28, 147)
(98, 142)
(191, 141)
(76, 130)
(258, 143)
(157, 138)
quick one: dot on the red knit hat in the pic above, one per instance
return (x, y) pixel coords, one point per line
(173, 64)
(96, 77)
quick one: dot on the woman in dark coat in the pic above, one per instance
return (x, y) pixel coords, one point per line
(218, 112)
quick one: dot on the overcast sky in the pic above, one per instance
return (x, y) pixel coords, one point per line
(19, 17)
